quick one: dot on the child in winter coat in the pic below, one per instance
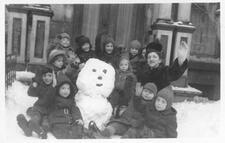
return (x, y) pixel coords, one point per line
(154, 70)
(57, 60)
(119, 99)
(133, 116)
(41, 88)
(110, 54)
(136, 58)
(65, 119)
(84, 50)
(160, 118)
(61, 42)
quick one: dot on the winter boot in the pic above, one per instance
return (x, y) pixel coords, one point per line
(108, 131)
(38, 130)
(23, 124)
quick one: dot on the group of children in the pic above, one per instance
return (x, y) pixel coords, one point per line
(141, 99)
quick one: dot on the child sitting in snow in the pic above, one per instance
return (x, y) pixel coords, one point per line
(110, 53)
(154, 70)
(133, 116)
(160, 118)
(120, 97)
(84, 50)
(135, 55)
(43, 89)
(65, 119)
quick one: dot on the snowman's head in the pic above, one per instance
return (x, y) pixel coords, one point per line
(96, 78)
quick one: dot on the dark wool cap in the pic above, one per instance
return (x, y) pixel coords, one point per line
(107, 40)
(151, 86)
(45, 69)
(154, 47)
(81, 40)
(168, 95)
(135, 44)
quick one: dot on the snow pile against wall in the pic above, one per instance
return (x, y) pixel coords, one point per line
(198, 119)
(194, 119)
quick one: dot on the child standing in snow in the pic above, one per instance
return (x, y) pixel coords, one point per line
(136, 58)
(119, 97)
(110, 54)
(65, 119)
(154, 70)
(84, 50)
(43, 89)
(160, 118)
(133, 116)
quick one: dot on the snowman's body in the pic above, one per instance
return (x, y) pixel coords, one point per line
(95, 82)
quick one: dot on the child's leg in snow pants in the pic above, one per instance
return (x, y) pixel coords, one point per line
(35, 121)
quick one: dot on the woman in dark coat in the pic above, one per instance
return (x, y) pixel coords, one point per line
(154, 70)
(65, 120)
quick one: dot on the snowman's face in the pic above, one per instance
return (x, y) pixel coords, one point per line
(96, 77)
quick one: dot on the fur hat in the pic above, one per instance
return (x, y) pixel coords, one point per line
(81, 40)
(167, 94)
(135, 44)
(151, 86)
(155, 46)
(63, 35)
(54, 53)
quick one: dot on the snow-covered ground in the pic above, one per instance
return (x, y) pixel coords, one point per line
(194, 119)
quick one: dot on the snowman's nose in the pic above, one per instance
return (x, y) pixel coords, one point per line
(100, 77)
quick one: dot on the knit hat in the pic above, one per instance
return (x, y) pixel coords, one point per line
(155, 46)
(81, 40)
(54, 53)
(151, 86)
(45, 69)
(135, 44)
(63, 35)
(167, 94)
(62, 79)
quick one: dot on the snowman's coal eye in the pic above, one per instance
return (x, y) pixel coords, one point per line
(105, 71)
(94, 70)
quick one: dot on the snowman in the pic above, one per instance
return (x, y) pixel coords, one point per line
(95, 82)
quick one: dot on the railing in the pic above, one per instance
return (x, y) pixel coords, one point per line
(10, 72)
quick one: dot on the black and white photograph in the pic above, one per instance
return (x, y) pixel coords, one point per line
(111, 70)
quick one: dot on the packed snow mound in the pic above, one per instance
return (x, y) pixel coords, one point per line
(198, 119)
(25, 76)
(194, 119)
(95, 82)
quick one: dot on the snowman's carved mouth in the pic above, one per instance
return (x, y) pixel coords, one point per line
(99, 84)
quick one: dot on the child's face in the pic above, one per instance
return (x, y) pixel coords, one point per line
(71, 57)
(143, 52)
(58, 62)
(133, 51)
(64, 90)
(47, 78)
(65, 42)
(85, 47)
(109, 48)
(124, 64)
(153, 60)
(147, 94)
(160, 104)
